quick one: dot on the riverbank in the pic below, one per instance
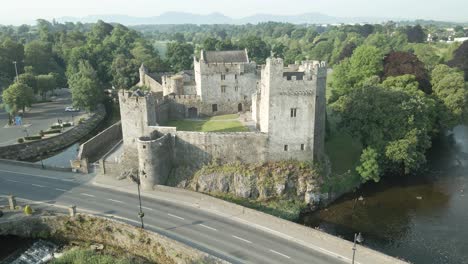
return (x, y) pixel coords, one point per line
(421, 218)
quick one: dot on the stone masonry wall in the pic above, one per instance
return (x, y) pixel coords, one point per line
(31, 150)
(196, 148)
(97, 146)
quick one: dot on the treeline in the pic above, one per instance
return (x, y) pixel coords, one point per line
(299, 42)
(86, 58)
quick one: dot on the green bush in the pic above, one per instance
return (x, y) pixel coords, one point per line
(56, 127)
(81, 120)
(20, 140)
(33, 138)
(66, 125)
(52, 131)
(28, 210)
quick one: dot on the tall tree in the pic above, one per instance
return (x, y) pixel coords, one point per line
(18, 96)
(451, 91)
(85, 87)
(366, 61)
(45, 83)
(180, 55)
(460, 59)
(401, 63)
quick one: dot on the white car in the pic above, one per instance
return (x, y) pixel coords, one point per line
(71, 109)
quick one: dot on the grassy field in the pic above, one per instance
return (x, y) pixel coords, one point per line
(225, 123)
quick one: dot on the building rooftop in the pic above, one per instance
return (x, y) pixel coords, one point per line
(231, 56)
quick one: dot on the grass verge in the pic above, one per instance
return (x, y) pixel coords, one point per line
(215, 124)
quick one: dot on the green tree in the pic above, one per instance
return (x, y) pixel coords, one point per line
(210, 44)
(257, 48)
(428, 54)
(85, 87)
(180, 55)
(366, 61)
(28, 79)
(450, 89)
(370, 114)
(45, 83)
(124, 72)
(18, 96)
(39, 55)
(369, 166)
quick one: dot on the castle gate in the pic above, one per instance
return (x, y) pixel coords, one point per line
(192, 112)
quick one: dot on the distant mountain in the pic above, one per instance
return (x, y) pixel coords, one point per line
(218, 18)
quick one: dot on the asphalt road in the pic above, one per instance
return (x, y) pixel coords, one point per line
(216, 235)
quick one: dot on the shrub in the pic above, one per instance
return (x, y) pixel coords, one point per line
(66, 125)
(33, 138)
(20, 140)
(52, 131)
(81, 120)
(28, 210)
(56, 127)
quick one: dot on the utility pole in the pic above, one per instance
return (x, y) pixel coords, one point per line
(136, 179)
(357, 238)
(16, 70)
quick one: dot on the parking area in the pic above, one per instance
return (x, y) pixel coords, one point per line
(39, 117)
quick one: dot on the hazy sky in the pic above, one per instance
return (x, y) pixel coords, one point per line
(20, 11)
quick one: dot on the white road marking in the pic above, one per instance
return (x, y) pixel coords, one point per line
(281, 254)
(175, 216)
(240, 238)
(37, 185)
(62, 190)
(214, 229)
(115, 201)
(147, 208)
(13, 181)
(37, 175)
(90, 195)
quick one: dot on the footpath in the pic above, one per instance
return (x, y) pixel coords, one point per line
(305, 236)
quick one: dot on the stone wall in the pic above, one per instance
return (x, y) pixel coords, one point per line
(100, 144)
(219, 83)
(196, 148)
(31, 150)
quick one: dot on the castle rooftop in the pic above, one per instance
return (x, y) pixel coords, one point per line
(231, 56)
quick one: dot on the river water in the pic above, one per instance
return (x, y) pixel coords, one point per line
(419, 218)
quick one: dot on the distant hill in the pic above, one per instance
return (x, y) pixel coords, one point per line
(218, 18)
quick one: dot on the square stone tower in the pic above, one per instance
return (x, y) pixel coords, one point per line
(290, 107)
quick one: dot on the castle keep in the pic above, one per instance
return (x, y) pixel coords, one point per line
(287, 105)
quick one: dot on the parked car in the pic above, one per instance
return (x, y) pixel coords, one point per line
(71, 109)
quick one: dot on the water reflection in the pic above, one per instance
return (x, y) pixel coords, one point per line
(423, 218)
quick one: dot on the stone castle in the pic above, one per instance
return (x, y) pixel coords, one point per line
(287, 105)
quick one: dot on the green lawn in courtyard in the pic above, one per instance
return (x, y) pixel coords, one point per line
(214, 124)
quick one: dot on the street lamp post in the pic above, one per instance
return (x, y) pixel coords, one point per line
(136, 179)
(359, 239)
(16, 70)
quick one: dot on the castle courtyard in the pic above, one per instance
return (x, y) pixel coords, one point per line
(222, 123)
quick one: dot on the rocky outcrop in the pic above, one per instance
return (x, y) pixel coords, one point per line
(286, 180)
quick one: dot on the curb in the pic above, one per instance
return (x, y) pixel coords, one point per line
(245, 211)
(34, 165)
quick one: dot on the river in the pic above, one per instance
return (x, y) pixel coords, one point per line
(419, 218)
